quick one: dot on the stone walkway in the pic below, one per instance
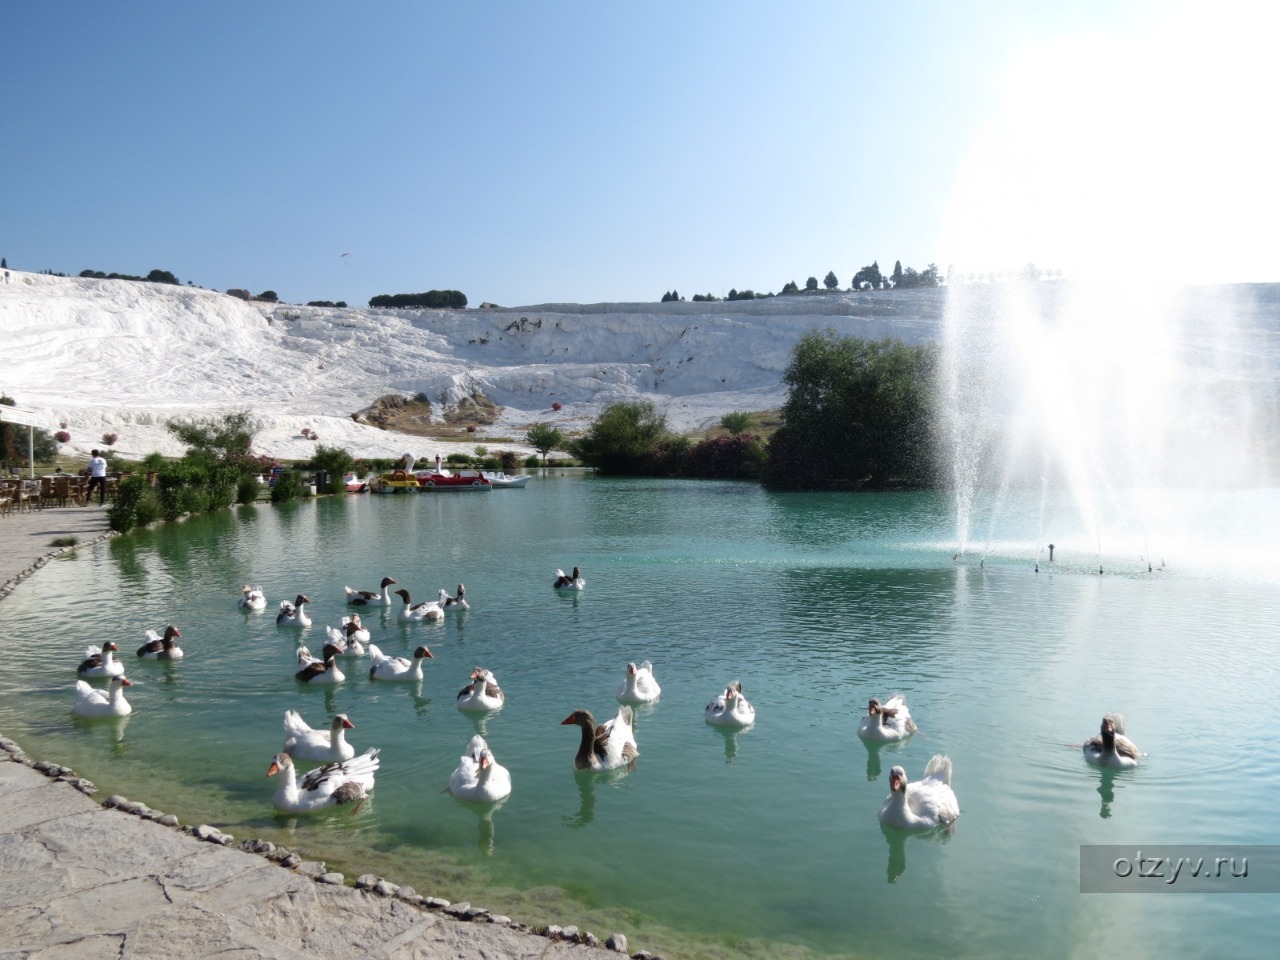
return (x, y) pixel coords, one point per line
(83, 880)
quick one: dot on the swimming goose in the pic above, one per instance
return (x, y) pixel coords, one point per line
(428, 610)
(731, 708)
(161, 648)
(95, 703)
(1111, 748)
(639, 685)
(574, 582)
(482, 693)
(304, 743)
(294, 614)
(320, 671)
(929, 803)
(454, 603)
(333, 785)
(343, 640)
(888, 721)
(356, 631)
(478, 775)
(608, 746)
(252, 598)
(371, 598)
(397, 668)
(100, 662)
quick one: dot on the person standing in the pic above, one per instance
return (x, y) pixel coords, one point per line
(97, 478)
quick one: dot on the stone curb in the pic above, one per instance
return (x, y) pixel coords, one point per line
(316, 869)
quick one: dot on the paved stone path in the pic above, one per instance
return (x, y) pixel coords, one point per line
(89, 878)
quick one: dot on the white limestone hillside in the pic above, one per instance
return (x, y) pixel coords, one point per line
(118, 356)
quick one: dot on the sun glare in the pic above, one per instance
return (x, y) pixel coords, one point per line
(1111, 155)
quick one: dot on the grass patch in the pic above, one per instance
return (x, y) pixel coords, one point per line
(64, 541)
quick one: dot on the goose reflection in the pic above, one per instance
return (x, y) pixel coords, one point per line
(730, 736)
(587, 781)
(484, 821)
(898, 839)
(1106, 790)
(110, 729)
(874, 751)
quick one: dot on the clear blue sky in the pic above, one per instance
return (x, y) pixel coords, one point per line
(531, 152)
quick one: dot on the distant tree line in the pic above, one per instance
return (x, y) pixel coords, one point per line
(155, 276)
(868, 278)
(327, 303)
(434, 299)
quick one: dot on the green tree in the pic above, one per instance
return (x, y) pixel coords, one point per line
(830, 281)
(857, 411)
(868, 277)
(163, 276)
(270, 296)
(224, 441)
(811, 283)
(897, 272)
(790, 287)
(628, 437)
(334, 461)
(544, 438)
(736, 422)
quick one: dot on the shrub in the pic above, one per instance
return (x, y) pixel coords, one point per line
(247, 488)
(335, 461)
(62, 436)
(508, 460)
(739, 457)
(736, 422)
(458, 460)
(557, 406)
(122, 515)
(289, 487)
(531, 460)
(110, 439)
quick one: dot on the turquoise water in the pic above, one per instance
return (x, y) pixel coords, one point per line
(764, 842)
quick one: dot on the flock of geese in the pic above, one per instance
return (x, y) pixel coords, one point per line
(345, 779)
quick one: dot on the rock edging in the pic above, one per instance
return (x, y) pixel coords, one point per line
(317, 870)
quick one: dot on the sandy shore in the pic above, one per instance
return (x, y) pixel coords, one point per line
(85, 877)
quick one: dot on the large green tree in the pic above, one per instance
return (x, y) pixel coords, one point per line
(857, 411)
(628, 437)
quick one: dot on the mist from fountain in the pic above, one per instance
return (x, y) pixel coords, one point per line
(1117, 420)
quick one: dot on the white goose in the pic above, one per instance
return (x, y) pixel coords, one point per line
(343, 640)
(482, 693)
(479, 776)
(1111, 748)
(639, 685)
(294, 614)
(731, 708)
(397, 668)
(608, 746)
(161, 648)
(929, 803)
(324, 746)
(574, 582)
(888, 721)
(320, 672)
(95, 703)
(252, 598)
(333, 785)
(355, 630)
(428, 610)
(371, 598)
(101, 662)
(457, 602)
